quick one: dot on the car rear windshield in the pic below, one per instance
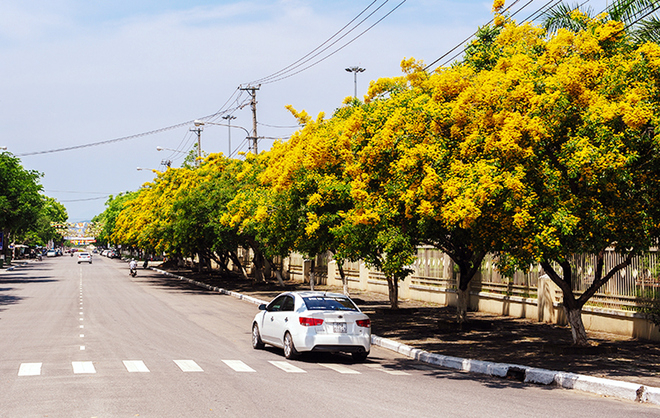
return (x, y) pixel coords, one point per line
(329, 303)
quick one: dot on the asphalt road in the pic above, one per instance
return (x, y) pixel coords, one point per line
(90, 341)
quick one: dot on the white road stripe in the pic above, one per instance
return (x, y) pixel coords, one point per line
(340, 368)
(380, 368)
(83, 367)
(136, 366)
(238, 366)
(188, 366)
(287, 367)
(29, 369)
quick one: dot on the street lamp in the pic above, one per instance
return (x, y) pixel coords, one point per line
(198, 122)
(145, 169)
(3, 148)
(229, 118)
(355, 71)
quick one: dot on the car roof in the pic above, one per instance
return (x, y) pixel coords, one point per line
(309, 293)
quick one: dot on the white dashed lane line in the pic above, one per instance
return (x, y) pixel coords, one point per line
(136, 366)
(340, 368)
(238, 366)
(188, 366)
(29, 369)
(287, 367)
(83, 367)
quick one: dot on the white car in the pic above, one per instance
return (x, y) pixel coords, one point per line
(84, 258)
(51, 253)
(313, 321)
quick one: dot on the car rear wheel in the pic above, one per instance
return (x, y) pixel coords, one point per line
(257, 344)
(360, 356)
(290, 351)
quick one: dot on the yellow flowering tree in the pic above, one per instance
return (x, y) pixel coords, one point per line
(568, 122)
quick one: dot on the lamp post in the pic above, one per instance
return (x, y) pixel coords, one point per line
(229, 118)
(202, 123)
(3, 148)
(355, 71)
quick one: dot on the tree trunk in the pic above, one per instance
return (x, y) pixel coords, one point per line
(237, 262)
(278, 273)
(344, 279)
(393, 287)
(200, 262)
(462, 305)
(258, 261)
(311, 273)
(577, 326)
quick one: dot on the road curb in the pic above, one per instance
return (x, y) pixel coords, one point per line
(583, 383)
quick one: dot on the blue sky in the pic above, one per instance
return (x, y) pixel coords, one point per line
(78, 72)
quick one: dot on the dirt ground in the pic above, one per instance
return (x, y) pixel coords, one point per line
(485, 337)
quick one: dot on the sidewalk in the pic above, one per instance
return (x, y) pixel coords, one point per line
(499, 346)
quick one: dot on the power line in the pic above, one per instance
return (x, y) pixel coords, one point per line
(326, 41)
(84, 200)
(339, 49)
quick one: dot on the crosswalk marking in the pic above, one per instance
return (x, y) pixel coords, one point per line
(188, 366)
(238, 366)
(83, 367)
(380, 367)
(339, 368)
(287, 367)
(136, 366)
(29, 369)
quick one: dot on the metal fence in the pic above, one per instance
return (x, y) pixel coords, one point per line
(629, 289)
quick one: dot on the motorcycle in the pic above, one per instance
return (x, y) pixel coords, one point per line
(133, 272)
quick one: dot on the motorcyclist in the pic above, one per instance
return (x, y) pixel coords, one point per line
(132, 267)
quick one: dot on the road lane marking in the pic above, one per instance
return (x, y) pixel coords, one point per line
(82, 335)
(83, 367)
(29, 369)
(136, 366)
(82, 348)
(238, 366)
(287, 367)
(380, 368)
(188, 366)
(339, 368)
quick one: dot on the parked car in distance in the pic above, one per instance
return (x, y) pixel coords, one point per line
(313, 321)
(84, 258)
(51, 253)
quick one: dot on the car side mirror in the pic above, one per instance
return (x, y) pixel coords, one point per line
(262, 307)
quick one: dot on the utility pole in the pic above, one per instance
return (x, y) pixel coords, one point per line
(228, 118)
(199, 144)
(253, 103)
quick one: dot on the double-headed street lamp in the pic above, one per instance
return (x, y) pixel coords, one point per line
(199, 123)
(229, 118)
(355, 71)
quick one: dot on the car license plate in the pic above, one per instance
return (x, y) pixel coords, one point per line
(339, 327)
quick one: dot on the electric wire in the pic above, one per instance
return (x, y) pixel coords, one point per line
(543, 9)
(339, 49)
(318, 47)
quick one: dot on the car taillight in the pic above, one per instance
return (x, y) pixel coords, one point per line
(366, 323)
(310, 322)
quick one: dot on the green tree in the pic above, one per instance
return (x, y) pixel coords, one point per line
(20, 201)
